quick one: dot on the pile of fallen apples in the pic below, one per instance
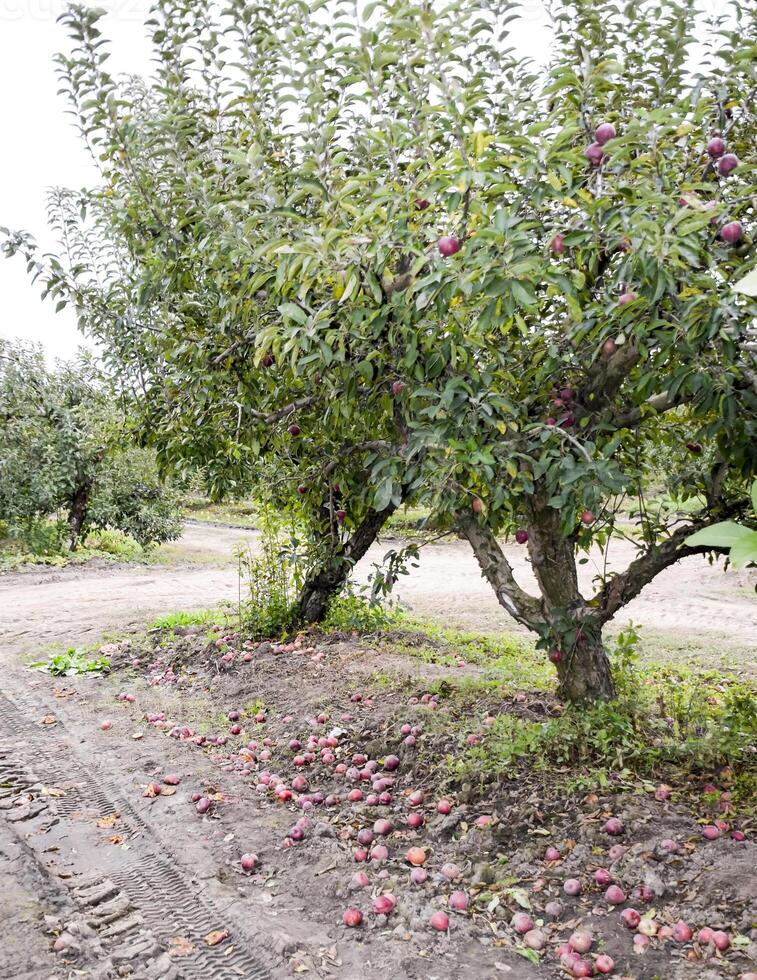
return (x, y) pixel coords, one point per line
(327, 773)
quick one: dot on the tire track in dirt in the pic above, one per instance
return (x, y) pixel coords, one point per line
(133, 902)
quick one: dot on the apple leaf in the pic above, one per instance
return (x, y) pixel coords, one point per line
(721, 535)
(748, 284)
(744, 551)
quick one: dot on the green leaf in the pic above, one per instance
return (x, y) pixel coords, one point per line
(721, 535)
(744, 551)
(294, 312)
(747, 285)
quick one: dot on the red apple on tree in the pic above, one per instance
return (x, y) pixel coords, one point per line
(521, 536)
(604, 132)
(477, 505)
(294, 429)
(421, 204)
(594, 154)
(587, 517)
(732, 232)
(727, 164)
(557, 245)
(398, 387)
(716, 147)
(448, 245)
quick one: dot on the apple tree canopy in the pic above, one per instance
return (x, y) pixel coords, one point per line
(366, 253)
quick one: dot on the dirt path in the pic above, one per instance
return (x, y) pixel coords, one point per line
(692, 606)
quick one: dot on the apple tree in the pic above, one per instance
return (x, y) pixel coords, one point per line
(65, 449)
(367, 253)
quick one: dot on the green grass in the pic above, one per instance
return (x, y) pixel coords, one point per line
(199, 617)
(238, 513)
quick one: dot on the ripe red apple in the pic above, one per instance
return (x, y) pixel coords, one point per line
(384, 904)
(551, 854)
(352, 917)
(293, 429)
(439, 921)
(615, 895)
(398, 387)
(421, 204)
(550, 421)
(594, 154)
(555, 656)
(694, 447)
(448, 245)
(587, 518)
(458, 901)
(341, 515)
(604, 132)
(522, 923)
(716, 147)
(613, 826)
(682, 932)
(604, 963)
(727, 164)
(732, 232)
(627, 297)
(609, 347)
(710, 832)
(249, 862)
(557, 245)
(521, 536)
(267, 360)
(444, 807)
(477, 505)
(572, 886)
(302, 489)
(602, 877)
(630, 918)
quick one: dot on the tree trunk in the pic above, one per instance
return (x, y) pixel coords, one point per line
(77, 514)
(584, 672)
(327, 581)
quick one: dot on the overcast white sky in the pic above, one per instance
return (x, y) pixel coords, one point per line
(39, 147)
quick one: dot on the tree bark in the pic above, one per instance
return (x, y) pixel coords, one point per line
(583, 669)
(584, 672)
(77, 513)
(324, 583)
(498, 572)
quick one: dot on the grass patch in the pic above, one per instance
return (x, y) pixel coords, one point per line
(238, 513)
(180, 618)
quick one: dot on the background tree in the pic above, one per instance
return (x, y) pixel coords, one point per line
(372, 255)
(64, 446)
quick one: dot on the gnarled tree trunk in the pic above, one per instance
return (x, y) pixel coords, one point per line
(327, 581)
(583, 669)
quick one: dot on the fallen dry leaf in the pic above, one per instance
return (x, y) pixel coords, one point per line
(216, 936)
(116, 839)
(53, 791)
(180, 946)
(105, 823)
(167, 791)
(48, 720)
(137, 735)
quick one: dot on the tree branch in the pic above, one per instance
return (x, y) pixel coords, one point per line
(495, 567)
(624, 586)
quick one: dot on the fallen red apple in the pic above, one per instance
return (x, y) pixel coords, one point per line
(604, 964)
(682, 932)
(522, 923)
(458, 901)
(249, 862)
(352, 917)
(580, 941)
(384, 904)
(439, 921)
(630, 918)
(444, 807)
(615, 895)
(572, 886)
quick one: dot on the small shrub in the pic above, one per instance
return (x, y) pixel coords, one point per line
(352, 613)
